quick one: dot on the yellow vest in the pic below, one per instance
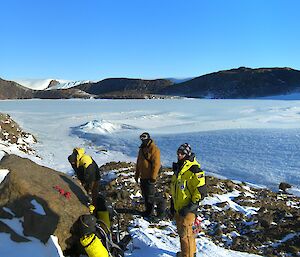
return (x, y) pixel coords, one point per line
(184, 186)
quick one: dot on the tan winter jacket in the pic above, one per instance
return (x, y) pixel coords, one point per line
(148, 162)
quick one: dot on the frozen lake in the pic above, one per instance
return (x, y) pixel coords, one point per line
(256, 141)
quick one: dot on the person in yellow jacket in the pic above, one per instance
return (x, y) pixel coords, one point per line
(147, 167)
(87, 171)
(187, 189)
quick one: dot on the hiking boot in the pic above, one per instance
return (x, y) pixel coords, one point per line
(151, 219)
(178, 254)
(146, 214)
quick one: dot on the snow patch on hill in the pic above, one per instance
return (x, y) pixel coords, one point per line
(36, 84)
(68, 84)
(43, 84)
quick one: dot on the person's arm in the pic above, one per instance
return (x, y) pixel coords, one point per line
(156, 164)
(197, 183)
(137, 169)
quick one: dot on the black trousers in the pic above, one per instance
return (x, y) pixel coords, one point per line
(148, 192)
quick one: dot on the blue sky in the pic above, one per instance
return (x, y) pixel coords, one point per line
(95, 39)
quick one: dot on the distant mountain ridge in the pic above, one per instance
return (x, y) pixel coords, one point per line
(228, 84)
(12, 90)
(239, 83)
(125, 88)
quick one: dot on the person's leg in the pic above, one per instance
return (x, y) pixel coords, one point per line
(148, 195)
(185, 232)
(94, 192)
(161, 206)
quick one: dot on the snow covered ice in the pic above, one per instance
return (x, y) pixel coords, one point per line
(256, 141)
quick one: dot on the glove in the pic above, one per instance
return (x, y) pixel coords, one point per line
(91, 208)
(172, 209)
(191, 207)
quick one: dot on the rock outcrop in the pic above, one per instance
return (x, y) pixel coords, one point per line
(28, 190)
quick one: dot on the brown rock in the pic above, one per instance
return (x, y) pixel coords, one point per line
(28, 181)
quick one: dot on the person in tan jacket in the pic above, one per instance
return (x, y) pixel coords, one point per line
(147, 167)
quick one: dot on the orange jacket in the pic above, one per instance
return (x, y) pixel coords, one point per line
(148, 161)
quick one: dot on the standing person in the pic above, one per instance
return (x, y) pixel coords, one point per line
(87, 172)
(187, 189)
(147, 167)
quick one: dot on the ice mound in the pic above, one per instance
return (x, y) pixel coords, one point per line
(104, 127)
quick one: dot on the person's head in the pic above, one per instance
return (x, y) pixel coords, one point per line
(184, 151)
(74, 156)
(145, 137)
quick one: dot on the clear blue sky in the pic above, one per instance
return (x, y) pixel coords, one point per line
(95, 39)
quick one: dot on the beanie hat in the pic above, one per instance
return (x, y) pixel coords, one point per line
(144, 136)
(185, 149)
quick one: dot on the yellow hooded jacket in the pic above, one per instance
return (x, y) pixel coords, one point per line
(83, 160)
(86, 168)
(186, 183)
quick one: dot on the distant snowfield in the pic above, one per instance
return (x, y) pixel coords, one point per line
(37, 84)
(257, 141)
(41, 84)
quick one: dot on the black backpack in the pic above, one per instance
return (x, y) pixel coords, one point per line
(87, 224)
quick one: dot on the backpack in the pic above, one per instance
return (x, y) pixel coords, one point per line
(87, 224)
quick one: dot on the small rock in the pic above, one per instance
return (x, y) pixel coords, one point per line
(284, 186)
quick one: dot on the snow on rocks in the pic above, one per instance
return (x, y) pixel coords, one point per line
(13, 138)
(3, 173)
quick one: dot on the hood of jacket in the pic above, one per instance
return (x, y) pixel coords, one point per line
(80, 153)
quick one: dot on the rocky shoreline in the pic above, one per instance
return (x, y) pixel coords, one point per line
(271, 229)
(12, 134)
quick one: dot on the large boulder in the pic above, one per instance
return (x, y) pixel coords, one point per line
(29, 191)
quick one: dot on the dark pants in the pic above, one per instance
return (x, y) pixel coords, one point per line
(92, 190)
(148, 192)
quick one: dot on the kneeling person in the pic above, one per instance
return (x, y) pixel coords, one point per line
(86, 170)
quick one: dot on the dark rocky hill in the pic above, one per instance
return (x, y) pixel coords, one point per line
(12, 90)
(239, 83)
(235, 83)
(125, 88)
